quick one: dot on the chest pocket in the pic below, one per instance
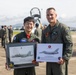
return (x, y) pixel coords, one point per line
(54, 35)
(23, 40)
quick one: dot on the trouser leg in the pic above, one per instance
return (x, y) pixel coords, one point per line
(19, 72)
(25, 71)
(55, 69)
(1, 41)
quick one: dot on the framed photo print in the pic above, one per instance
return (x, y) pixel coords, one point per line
(49, 52)
(20, 55)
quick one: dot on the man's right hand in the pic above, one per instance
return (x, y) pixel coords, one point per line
(6, 67)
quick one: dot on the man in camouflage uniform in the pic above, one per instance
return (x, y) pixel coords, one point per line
(38, 31)
(5, 35)
(2, 36)
(57, 32)
(10, 33)
(26, 36)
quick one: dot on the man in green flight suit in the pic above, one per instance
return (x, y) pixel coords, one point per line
(2, 33)
(26, 36)
(38, 31)
(57, 32)
(10, 33)
(5, 35)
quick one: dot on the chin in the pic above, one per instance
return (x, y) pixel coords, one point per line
(51, 21)
(29, 30)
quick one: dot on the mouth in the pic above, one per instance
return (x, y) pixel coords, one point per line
(29, 28)
(51, 18)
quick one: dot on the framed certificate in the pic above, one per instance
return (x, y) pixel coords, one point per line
(49, 52)
(20, 55)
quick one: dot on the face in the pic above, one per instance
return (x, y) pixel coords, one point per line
(28, 26)
(5, 27)
(10, 27)
(45, 26)
(51, 16)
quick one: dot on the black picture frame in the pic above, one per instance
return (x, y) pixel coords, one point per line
(14, 54)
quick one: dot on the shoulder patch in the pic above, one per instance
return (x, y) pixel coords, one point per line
(14, 38)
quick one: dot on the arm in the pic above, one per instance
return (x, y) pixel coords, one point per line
(43, 37)
(67, 43)
(16, 39)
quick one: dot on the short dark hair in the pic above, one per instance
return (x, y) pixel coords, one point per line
(30, 19)
(51, 8)
(10, 25)
(5, 26)
(45, 25)
(2, 26)
(37, 25)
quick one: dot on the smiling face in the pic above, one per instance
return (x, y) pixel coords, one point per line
(51, 16)
(28, 26)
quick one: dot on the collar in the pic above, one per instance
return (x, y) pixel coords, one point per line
(49, 28)
(28, 36)
(56, 25)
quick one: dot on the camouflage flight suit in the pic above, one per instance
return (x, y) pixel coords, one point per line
(21, 37)
(38, 32)
(5, 37)
(10, 35)
(59, 33)
(2, 36)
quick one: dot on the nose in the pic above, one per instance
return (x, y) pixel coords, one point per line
(49, 16)
(29, 24)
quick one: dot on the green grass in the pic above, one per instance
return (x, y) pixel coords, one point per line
(73, 32)
(16, 32)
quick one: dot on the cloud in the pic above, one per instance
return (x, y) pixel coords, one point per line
(63, 15)
(11, 20)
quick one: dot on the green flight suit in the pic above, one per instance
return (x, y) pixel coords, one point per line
(21, 37)
(2, 32)
(38, 32)
(10, 35)
(59, 33)
(5, 37)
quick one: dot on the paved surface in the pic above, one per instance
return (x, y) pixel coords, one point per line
(41, 69)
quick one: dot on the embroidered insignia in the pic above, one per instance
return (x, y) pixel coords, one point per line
(23, 40)
(49, 46)
(11, 65)
(14, 38)
(47, 34)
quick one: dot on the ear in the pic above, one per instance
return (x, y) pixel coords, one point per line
(33, 24)
(56, 15)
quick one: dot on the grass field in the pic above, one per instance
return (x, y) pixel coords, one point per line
(73, 32)
(16, 32)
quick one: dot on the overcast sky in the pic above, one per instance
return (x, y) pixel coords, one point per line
(15, 10)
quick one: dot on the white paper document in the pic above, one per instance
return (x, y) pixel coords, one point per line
(49, 52)
(21, 54)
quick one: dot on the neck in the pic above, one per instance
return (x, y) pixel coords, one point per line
(53, 23)
(27, 32)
